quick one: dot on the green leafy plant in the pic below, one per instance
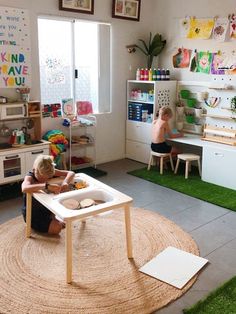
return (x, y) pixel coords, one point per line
(153, 48)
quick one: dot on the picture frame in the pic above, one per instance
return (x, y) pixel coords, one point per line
(79, 6)
(126, 9)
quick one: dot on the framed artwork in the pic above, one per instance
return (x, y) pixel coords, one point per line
(80, 6)
(126, 9)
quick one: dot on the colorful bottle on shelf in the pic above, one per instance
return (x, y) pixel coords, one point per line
(163, 75)
(150, 75)
(146, 74)
(154, 74)
(138, 75)
(167, 74)
(142, 74)
(158, 76)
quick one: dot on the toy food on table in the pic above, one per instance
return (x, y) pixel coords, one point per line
(71, 203)
(87, 202)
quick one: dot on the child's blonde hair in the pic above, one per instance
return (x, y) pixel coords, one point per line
(44, 165)
(164, 110)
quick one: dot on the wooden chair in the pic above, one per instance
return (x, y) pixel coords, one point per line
(161, 156)
(188, 158)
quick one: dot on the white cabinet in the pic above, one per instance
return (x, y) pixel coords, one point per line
(31, 156)
(16, 162)
(144, 99)
(218, 166)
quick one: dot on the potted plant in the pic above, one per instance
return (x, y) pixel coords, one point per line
(179, 108)
(153, 48)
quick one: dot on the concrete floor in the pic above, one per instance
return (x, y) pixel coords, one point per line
(212, 227)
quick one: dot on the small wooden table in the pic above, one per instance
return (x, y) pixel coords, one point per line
(113, 200)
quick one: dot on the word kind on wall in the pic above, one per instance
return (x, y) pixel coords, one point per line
(14, 48)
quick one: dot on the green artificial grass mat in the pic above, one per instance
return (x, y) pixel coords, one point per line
(220, 301)
(193, 186)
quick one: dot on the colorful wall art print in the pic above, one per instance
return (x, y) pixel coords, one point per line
(14, 48)
(182, 58)
(204, 60)
(233, 26)
(216, 65)
(68, 107)
(220, 29)
(200, 28)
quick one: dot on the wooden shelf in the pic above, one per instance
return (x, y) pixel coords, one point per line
(218, 116)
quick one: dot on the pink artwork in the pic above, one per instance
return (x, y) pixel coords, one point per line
(182, 58)
(84, 107)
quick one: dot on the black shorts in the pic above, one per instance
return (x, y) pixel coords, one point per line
(161, 148)
(41, 217)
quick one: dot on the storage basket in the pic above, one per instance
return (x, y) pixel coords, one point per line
(191, 102)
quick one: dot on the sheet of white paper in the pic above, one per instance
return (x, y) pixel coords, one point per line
(174, 266)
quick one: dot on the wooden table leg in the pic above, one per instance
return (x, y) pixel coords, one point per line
(128, 231)
(68, 251)
(28, 214)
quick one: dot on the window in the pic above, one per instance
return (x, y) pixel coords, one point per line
(74, 59)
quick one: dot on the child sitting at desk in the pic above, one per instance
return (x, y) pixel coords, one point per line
(160, 128)
(42, 219)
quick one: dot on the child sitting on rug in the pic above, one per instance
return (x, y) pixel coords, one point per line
(160, 128)
(42, 219)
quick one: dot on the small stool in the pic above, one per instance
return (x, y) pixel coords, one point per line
(188, 158)
(161, 156)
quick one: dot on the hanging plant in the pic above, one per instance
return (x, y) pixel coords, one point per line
(153, 48)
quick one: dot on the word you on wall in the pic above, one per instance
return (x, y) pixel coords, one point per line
(14, 48)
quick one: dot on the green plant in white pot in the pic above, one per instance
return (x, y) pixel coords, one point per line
(153, 48)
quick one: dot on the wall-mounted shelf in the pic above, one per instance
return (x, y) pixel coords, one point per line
(218, 116)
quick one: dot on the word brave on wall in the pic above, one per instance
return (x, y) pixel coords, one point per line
(14, 48)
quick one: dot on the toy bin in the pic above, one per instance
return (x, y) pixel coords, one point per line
(184, 93)
(190, 119)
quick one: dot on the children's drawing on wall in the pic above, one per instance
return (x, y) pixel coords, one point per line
(204, 60)
(229, 63)
(182, 58)
(233, 26)
(200, 28)
(52, 110)
(217, 61)
(54, 71)
(193, 64)
(220, 29)
(68, 107)
(14, 47)
(184, 27)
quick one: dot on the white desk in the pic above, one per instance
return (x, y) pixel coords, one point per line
(218, 160)
(112, 198)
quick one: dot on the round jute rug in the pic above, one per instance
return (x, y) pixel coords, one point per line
(32, 272)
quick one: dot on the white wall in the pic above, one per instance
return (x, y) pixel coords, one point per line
(169, 12)
(111, 127)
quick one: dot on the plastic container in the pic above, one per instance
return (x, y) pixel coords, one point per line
(191, 102)
(185, 94)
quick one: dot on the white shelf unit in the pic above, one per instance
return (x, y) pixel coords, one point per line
(141, 112)
(82, 142)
